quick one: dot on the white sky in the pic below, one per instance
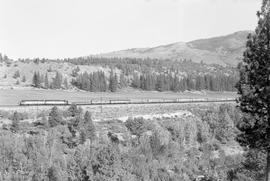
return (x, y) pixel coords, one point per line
(71, 28)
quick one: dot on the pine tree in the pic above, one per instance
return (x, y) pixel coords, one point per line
(160, 83)
(15, 122)
(46, 81)
(36, 80)
(66, 83)
(57, 81)
(75, 72)
(73, 110)
(24, 79)
(136, 83)
(16, 74)
(54, 117)
(88, 125)
(254, 87)
(113, 82)
(175, 84)
(42, 78)
(53, 174)
(123, 82)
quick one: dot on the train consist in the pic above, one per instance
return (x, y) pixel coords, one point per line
(43, 102)
(120, 101)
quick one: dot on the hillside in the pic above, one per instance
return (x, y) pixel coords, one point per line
(223, 50)
(26, 70)
(205, 64)
(192, 142)
(101, 74)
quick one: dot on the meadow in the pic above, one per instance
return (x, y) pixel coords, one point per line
(14, 96)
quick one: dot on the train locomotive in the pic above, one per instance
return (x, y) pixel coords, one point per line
(43, 102)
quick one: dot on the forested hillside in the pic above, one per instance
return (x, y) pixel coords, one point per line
(206, 64)
(111, 74)
(65, 144)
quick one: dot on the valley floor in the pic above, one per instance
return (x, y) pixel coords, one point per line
(14, 96)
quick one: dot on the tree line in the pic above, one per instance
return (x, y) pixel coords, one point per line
(57, 82)
(98, 82)
(175, 83)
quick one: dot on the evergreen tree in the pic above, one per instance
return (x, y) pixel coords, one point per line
(54, 117)
(254, 87)
(15, 122)
(175, 84)
(73, 110)
(113, 82)
(16, 74)
(160, 83)
(46, 81)
(53, 174)
(123, 82)
(75, 72)
(24, 79)
(66, 83)
(136, 83)
(88, 125)
(57, 81)
(42, 78)
(36, 80)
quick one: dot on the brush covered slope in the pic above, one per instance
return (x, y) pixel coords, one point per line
(223, 50)
(66, 144)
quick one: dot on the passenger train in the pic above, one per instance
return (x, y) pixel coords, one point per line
(121, 101)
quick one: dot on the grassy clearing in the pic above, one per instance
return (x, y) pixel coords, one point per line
(14, 96)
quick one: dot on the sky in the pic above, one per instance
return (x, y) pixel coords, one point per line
(73, 28)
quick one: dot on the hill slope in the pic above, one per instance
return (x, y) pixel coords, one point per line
(223, 50)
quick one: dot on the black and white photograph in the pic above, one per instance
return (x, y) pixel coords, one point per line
(134, 90)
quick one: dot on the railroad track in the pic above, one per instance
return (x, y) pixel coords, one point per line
(119, 102)
(158, 102)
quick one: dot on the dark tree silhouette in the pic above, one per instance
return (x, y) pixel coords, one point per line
(89, 127)
(46, 81)
(112, 82)
(36, 80)
(54, 117)
(254, 87)
(15, 122)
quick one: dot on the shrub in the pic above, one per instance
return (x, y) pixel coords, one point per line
(50, 69)
(5, 114)
(136, 126)
(24, 79)
(53, 174)
(75, 72)
(18, 116)
(42, 121)
(73, 110)
(16, 74)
